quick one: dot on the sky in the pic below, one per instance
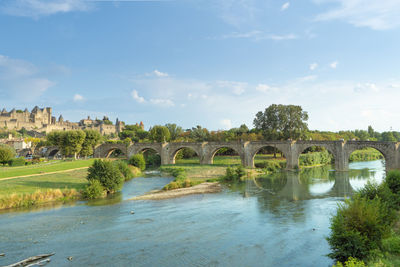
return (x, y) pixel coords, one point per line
(213, 63)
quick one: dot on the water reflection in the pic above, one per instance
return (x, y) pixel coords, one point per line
(274, 192)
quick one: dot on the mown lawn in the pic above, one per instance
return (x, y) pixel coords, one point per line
(52, 166)
(71, 180)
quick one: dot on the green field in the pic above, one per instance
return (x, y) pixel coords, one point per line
(52, 166)
(71, 180)
(228, 160)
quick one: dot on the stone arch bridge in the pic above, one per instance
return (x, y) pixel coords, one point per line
(291, 150)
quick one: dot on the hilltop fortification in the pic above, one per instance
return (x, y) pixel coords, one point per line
(41, 120)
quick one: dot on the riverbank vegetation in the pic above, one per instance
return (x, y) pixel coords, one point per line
(366, 227)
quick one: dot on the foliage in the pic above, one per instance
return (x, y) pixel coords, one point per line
(159, 134)
(138, 161)
(393, 181)
(351, 262)
(282, 122)
(270, 165)
(6, 154)
(70, 142)
(358, 228)
(367, 154)
(92, 138)
(17, 162)
(93, 190)
(181, 180)
(134, 132)
(234, 174)
(199, 134)
(124, 169)
(107, 174)
(315, 158)
(152, 159)
(174, 130)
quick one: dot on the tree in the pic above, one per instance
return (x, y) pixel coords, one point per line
(72, 142)
(134, 132)
(388, 136)
(107, 174)
(92, 138)
(282, 122)
(6, 154)
(174, 130)
(159, 134)
(199, 134)
(138, 161)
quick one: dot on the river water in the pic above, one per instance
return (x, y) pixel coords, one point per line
(280, 220)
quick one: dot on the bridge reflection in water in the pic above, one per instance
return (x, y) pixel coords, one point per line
(308, 184)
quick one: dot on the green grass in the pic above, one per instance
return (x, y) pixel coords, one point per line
(229, 160)
(71, 180)
(43, 168)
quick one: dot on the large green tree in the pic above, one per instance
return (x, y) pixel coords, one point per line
(159, 134)
(174, 130)
(134, 132)
(92, 138)
(282, 122)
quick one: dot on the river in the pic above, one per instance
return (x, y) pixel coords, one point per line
(280, 220)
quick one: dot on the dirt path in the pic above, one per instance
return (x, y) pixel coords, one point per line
(203, 188)
(40, 174)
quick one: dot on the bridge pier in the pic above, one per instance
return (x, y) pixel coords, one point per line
(341, 157)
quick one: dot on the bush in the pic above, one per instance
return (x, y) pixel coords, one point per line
(152, 160)
(93, 190)
(393, 181)
(358, 228)
(107, 174)
(351, 262)
(138, 161)
(124, 169)
(392, 244)
(6, 154)
(17, 162)
(235, 174)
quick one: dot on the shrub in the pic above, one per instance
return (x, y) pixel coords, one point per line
(138, 161)
(351, 262)
(17, 162)
(6, 154)
(391, 244)
(107, 174)
(152, 160)
(93, 190)
(358, 228)
(124, 169)
(240, 171)
(393, 181)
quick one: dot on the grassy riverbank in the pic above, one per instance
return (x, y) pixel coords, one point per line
(51, 166)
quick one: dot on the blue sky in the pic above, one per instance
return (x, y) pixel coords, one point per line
(202, 62)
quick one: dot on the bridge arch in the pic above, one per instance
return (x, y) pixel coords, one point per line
(174, 152)
(259, 148)
(214, 148)
(105, 150)
(384, 148)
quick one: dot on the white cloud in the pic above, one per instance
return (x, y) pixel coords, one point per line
(21, 80)
(237, 88)
(313, 66)
(377, 15)
(285, 6)
(365, 87)
(259, 35)
(308, 78)
(226, 124)
(78, 98)
(160, 74)
(38, 8)
(334, 64)
(162, 102)
(263, 88)
(135, 96)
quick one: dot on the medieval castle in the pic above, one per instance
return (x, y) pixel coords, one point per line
(41, 120)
